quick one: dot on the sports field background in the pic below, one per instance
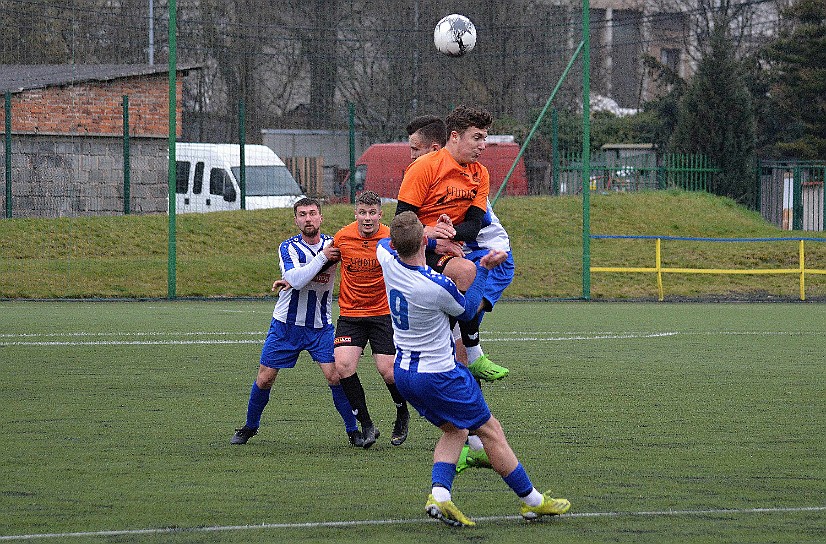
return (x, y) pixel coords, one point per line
(660, 422)
(235, 254)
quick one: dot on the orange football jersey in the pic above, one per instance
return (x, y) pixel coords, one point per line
(361, 291)
(436, 184)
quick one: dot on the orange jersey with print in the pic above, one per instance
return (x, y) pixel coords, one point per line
(436, 184)
(361, 291)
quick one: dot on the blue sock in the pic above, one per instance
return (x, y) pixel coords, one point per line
(443, 474)
(343, 407)
(258, 400)
(518, 481)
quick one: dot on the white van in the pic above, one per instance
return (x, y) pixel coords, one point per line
(208, 178)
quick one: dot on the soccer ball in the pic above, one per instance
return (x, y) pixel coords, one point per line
(454, 35)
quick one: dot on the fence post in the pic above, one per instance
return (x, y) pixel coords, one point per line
(8, 154)
(127, 171)
(758, 204)
(555, 150)
(797, 202)
(660, 164)
(172, 249)
(692, 171)
(802, 258)
(351, 115)
(242, 139)
(658, 265)
(823, 207)
(586, 150)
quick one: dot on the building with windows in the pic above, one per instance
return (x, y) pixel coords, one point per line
(670, 32)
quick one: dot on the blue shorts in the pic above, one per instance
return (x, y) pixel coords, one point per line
(498, 279)
(444, 397)
(285, 342)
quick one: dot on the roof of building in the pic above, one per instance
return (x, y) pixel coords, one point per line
(22, 77)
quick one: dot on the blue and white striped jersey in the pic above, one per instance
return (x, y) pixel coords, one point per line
(491, 236)
(308, 303)
(420, 301)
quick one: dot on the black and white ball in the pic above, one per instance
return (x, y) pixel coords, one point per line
(454, 35)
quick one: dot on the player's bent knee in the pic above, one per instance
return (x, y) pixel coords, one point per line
(491, 430)
(462, 272)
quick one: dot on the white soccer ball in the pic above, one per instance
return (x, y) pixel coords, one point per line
(454, 35)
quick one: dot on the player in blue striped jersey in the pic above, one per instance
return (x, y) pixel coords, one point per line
(427, 374)
(302, 318)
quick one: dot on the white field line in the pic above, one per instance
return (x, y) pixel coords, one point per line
(133, 343)
(181, 338)
(123, 333)
(358, 523)
(569, 337)
(30, 338)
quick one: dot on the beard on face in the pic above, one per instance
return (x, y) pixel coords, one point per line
(309, 230)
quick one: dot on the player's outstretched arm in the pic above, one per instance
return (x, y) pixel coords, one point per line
(494, 258)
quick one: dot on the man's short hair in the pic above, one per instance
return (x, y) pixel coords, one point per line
(430, 127)
(406, 234)
(368, 198)
(464, 117)
(306, 201)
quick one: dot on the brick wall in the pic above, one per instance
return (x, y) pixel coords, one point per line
(96, 108)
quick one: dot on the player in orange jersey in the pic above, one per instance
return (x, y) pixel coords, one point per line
(365, 316)
(448, 190)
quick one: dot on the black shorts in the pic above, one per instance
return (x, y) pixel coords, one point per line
(437, 262)
(356, 331)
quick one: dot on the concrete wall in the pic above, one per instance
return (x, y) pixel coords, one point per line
(70, 176)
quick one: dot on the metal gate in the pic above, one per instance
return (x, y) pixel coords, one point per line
(791, 194)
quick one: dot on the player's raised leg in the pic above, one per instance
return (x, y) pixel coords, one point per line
(462, 272)
(473, 455)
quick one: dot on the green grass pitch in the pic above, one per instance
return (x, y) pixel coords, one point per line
(660, 422)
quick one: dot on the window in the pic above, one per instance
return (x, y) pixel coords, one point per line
(268, 181)
(181, 177)
(671, 58)
(198, 182)
(220, 184)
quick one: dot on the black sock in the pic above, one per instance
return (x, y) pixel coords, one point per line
(470, 332)
(398, 399)
(355, 395)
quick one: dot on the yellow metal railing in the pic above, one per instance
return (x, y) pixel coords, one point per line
(658, 269)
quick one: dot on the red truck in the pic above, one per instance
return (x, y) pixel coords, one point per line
(381, 168)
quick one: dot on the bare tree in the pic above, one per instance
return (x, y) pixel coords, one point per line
(749, 22)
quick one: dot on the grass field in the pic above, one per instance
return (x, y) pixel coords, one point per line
(234, 254)
(660, 422)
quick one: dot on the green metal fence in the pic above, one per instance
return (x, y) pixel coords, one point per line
(635, 172)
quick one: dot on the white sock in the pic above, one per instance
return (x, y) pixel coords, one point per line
(534, 498)
(441, 494)
(473, 353)
(475, 442)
